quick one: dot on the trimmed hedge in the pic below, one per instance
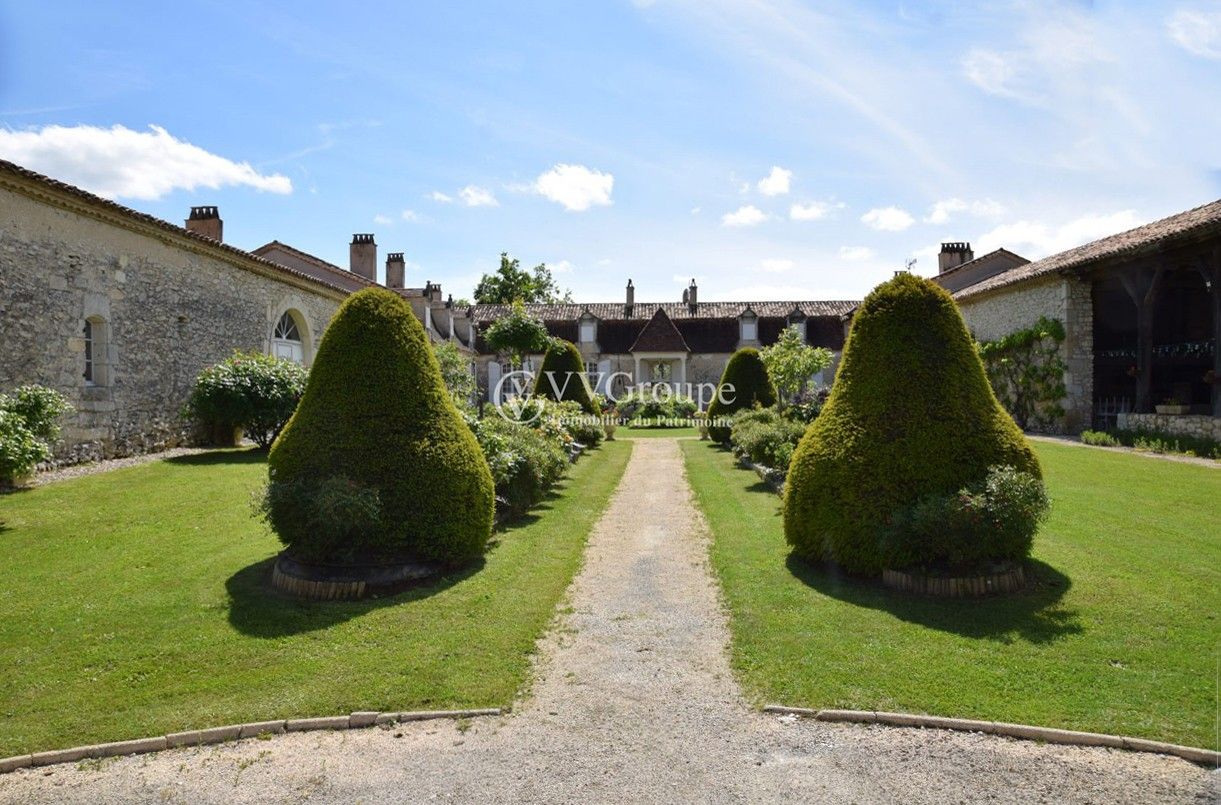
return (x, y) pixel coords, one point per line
(747, 375)
(562, 376)
(376, 413)
(910, 415)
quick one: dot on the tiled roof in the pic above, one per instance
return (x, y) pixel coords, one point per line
(317, 267)
(1203, 221)
(144, 218)
(660, 335)
(643, 311)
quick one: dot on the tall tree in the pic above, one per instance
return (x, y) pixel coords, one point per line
(512, 283)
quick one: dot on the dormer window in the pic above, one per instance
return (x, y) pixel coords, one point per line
(749, 324)
(589, 329)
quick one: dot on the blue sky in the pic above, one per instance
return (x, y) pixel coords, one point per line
(773, 150)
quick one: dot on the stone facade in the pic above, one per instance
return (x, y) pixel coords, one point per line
(1203, 427)
(162, 305)
(993, 315)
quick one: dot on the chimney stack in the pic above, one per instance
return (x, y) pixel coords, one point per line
(631, 296)
(206, 221)
(362, 256)
(396, 270)
(953, 255)
(693, 295)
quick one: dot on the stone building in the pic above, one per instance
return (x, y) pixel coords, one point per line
(1141, 311)
(683, 344)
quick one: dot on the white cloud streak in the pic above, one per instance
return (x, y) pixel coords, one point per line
(575, 187)
(1035, 239)
(1197, 32)
(814, 211)
(475, 196)
(888, 219)
(119, 162)
(748, 215)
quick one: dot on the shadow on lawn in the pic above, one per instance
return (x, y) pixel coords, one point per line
(231, 455)
(1033, 615)
(258, 610)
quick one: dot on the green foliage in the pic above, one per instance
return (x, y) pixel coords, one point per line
(377, 412)
(525, 462)
(911, 414)
(1026, 371)
(580, 425)
(984, 522)
(512, 283)
(657, 406)
(562, 376)
(744, 384)
(339, 516)
(251, 391)
(40, 408)
(1099, 438)
(29, 425)
(807, 405)
(517, 334)
(791, 362)
(765, 436)
(455, 372)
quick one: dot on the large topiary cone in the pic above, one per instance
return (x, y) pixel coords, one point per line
(748, 377)
(376, 411)
(910, 414)
(562, 376)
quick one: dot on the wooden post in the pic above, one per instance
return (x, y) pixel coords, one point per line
(1216, 283)
(1143, 285)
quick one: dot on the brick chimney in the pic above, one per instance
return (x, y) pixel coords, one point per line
(631, 297)
(362, 256)
(953, 255)
(693, 295)
(206, 221)
(396, 270)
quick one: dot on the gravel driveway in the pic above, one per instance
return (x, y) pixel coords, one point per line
(634, 701)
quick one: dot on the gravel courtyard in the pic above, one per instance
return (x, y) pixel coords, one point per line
(634, 701)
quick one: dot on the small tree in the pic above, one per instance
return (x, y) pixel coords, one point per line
(251, 391)
(455, 371)
(791, 362)
(517, 335)
(512, 283)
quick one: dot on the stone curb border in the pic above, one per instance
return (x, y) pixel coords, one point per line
(233, 732)
(1204, 757)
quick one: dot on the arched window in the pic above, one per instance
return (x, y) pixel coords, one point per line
(286, 340)
(94, 335)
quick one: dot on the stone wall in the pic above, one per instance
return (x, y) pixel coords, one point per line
(166, 308)
(1204, 427)
(996, 314)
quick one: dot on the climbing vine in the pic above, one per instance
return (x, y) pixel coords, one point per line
(1026, 371)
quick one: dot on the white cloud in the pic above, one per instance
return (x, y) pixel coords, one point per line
(440, 197)
(748, 215)
(1035, 239)
(383, 220)
(695, 210)
(409, 215)
(474, 196)
(605, 261)
(855, 253)
(992, 72)
(775, 183)
(560, 267)
(943, 210)
(888, 219)
(121, 163)
(1197, 32)
(576, 187)
(814, 210)
(776, 265)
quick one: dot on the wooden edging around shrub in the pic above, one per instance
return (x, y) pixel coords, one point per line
(1204, 757)
(233, 732)
(1008, 581)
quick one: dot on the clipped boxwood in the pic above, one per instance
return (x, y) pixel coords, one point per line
(747, 375)
(562, 376)
(910, 415)
(376, 414)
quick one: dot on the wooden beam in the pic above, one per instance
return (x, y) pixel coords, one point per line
(1143, 284)
(1215, 281)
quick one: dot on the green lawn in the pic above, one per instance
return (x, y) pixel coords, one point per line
(1118, 632)
(135, 602)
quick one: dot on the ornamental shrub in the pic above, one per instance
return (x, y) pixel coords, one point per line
(657, 406)
(562, 376)
(29, 425)
(578, 423)
(910, 415)
(251, 391)
(765, 437)
(744, 384)
(376, 413)
(340, 514)
(525, 462)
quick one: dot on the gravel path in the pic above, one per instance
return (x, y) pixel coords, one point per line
(92, 468)
(634, 701)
